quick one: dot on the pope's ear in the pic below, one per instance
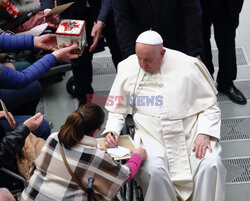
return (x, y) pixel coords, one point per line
(163, 52)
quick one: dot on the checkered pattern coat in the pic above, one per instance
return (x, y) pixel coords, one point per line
(51, 180)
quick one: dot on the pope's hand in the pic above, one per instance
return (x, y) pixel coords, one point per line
(202, 143)
(111, 139)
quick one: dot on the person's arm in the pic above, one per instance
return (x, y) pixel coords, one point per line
(13, 142)
(47, 4)
(209, 123)
(105, 10)
(12, 79)
(113, 128)
(125, 35)
(134, 162)
(16, 42)
(193, 26)
(114, 123)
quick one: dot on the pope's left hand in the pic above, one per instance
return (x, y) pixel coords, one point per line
(46, 42)
(201, 144)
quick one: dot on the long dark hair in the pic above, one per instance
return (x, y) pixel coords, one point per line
(84, 121)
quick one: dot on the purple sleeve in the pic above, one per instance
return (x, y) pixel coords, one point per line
(134, 164)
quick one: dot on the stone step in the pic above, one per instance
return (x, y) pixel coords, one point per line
(235, 129)
(238, 170)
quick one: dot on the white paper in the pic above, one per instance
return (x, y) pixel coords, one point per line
(118, 151)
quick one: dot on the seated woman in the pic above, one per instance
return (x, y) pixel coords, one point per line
(51, 179)
(11, 143)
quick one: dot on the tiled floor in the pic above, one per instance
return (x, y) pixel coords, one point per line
(59, 104)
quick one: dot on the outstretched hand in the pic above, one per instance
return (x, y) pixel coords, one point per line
(33, 122)
(52, 19)
(66, 53)
(202, 143)
(46, 42)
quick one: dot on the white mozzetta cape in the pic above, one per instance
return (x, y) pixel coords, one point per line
(189, 88)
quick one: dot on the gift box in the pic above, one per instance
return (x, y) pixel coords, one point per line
(71, 32)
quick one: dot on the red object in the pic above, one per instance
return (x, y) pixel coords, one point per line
(9, 8)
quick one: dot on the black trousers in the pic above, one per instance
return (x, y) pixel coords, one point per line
(216, 12)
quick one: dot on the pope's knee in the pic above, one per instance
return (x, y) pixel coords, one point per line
(213, 164)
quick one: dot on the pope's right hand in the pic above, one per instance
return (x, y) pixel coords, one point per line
(111, 139)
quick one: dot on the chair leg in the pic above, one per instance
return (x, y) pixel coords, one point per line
(131, 190)
(138, 193)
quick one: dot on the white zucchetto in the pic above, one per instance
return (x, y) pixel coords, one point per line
(150, 38)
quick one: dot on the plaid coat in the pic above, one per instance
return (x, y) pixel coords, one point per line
(51, 180)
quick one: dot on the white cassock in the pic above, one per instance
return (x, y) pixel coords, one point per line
(172, 107)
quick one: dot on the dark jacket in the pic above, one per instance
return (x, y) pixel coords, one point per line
(235, 7)
(177, 21)
(10, 144)
(12, 79)
(78, 10)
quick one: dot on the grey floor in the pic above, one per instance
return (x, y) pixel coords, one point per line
(57, 105)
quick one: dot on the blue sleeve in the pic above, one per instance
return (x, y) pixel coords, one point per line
(12, 79)
(16, 42)
(106, 8)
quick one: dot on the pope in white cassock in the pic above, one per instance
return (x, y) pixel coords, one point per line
(173, 101)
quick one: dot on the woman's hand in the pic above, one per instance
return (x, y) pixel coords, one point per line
(66, 53)
(141, 151)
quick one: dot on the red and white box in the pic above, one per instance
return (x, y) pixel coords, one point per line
(71, 32)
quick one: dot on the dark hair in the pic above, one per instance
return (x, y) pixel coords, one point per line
(83, 121)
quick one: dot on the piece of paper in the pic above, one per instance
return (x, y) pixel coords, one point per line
(7, 116)
(59, 9)
(124, 141)
(35, 31)
(118, 151)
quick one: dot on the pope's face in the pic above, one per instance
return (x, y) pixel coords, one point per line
(149, 57)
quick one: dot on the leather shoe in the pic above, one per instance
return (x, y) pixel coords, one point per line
(234, 95)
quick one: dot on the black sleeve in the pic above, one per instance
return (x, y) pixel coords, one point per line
(47, 4)
(193, 26)
(106, 8)
(12, 143)
(125, 35)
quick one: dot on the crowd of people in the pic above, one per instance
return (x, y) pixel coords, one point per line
(160, 48)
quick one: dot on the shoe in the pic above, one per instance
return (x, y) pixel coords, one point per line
(234, 95)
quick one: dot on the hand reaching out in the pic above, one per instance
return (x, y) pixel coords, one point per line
(46, 42)
(66, 53)
(202, 143)
(52, 19)
(33, 122)
(142, 152)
